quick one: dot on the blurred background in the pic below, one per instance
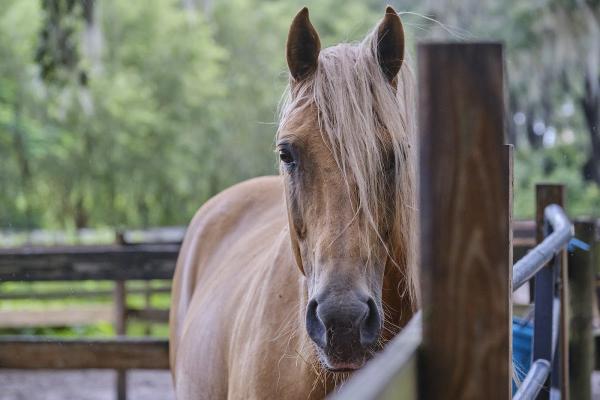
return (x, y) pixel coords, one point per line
(132, 114)
(124, 116)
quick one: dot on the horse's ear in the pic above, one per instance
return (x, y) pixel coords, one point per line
(390, 44)
(303, 46)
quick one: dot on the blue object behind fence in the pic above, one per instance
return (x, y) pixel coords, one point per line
(522, 338)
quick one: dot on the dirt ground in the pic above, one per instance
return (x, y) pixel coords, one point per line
(99, 385)
(83, 385)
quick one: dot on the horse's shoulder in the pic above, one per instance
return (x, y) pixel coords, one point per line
(252, 195)
(264, 189)
(228, 225)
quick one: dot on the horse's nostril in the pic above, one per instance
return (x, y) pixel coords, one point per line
(370, 325)
(314, 326)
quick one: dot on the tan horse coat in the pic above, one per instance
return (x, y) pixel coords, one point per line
(239, 300)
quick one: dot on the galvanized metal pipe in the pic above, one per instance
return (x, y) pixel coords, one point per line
(562, 233)
(534, 381)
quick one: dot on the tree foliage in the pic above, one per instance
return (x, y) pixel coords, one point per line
(553, 71)
(116, 113)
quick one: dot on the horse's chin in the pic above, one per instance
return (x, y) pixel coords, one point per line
(334, 365)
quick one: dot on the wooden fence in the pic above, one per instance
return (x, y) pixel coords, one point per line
(119, 263)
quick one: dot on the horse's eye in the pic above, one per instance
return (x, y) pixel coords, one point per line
(286, 156)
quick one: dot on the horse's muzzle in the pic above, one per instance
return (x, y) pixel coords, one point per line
(345, 328)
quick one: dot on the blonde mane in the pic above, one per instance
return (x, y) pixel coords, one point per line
(358, 113)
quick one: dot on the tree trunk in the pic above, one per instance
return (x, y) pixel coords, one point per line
(81, 216)
(22, 161)
(511, 126)
(590, 104)
(535, 140)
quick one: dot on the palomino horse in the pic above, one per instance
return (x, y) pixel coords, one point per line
(286, 284)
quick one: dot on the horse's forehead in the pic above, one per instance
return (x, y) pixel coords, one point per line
(304, 130)
(303, 127)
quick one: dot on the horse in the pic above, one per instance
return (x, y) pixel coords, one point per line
(285, 285)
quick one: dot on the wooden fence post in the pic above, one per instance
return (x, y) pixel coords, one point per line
(581, 292)
(465, 223)
(148, 306)
(120, 303)
(120, 299)
(547, 194)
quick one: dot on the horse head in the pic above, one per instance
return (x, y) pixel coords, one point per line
(345, 148)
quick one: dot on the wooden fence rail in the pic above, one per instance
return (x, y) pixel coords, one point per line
(77, 263)
(125, 262)
(78, 293)
(36, 352)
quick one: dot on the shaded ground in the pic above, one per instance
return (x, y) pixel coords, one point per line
(83, 385)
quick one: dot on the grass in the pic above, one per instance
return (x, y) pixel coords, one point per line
(100, 329)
